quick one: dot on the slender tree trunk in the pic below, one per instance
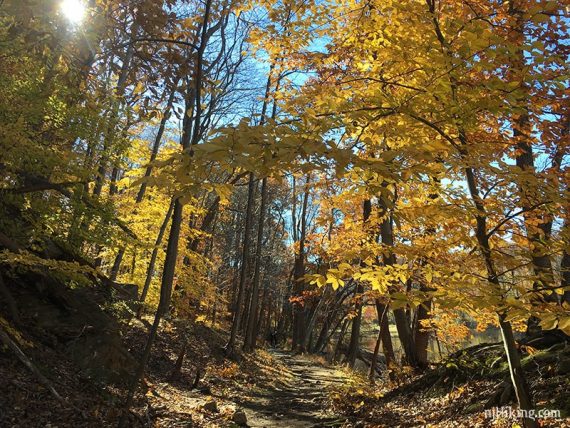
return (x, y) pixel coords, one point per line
(189, 138)
(565, 269)
(157, 142)
(384, 337)
(114, 115)
(481, 233)
(286, 310)
(354, 344)
(325, 335)
(148, 172)
(515, 368)
(387, 346)
(230, 346)
(311, 323)
(374, 361)
(232, 301)
(154, 255)
(421, 333)
(179, 361)
(340, 339)
(298, 286)
(249, 336)
(331, 333)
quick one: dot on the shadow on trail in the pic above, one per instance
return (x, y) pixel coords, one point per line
(298, 402)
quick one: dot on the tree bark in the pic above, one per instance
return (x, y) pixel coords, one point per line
(230, 346)
(515, 368)
(154, 255)
(421, 333)
(249, 336)
(148, 172)
(299, 273)
(400, 317)
(340, 339)
(189, 138)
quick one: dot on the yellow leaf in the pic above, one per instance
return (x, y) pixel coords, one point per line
(564, 325)
(549, 322)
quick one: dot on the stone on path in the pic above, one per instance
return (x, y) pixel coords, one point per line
(240, 418)
(211, 406)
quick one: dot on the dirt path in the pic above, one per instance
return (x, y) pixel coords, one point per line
(300, 401)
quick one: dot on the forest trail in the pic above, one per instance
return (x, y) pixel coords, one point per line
(298, 402)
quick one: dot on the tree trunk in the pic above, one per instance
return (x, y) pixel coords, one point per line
(565, 271)
(157, 142)
(325, 336)
(311, 323)
(400, 317)
(354, 344)
(515, 368)
(298, 285)
(481, 233)
(340, 339)
(384, 335)
(249, 336)
(114, 115)
(142, 190)
(154, 255)
(230, 346)
(189, 138)
(421, 333)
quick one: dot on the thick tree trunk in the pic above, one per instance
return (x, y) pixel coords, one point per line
(421, 333)
(262, 318)
(401, 319)
(538, 235)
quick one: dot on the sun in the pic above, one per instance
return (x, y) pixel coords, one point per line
(74, 10)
